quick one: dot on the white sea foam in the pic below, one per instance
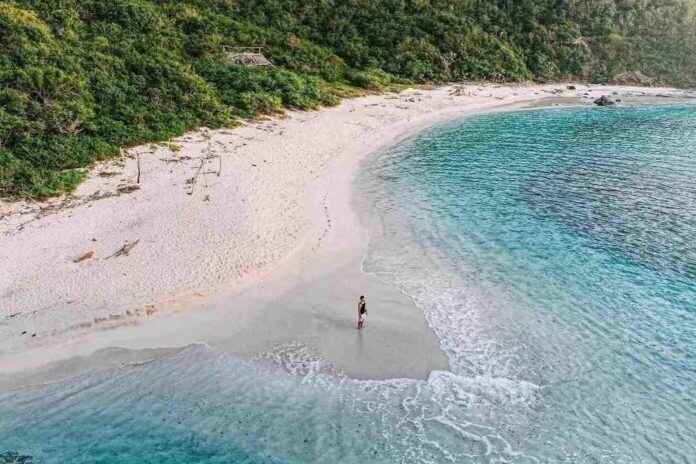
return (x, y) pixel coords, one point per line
(515, 250)
(223, 401)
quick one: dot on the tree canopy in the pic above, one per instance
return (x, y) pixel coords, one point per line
(81, 78)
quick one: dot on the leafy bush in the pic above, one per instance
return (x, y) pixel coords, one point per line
(370, 79)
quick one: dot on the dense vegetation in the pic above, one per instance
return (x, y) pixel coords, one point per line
(81, 78)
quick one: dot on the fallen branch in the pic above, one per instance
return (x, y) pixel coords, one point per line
(83, 257)
(124, 250)
(138, 180)
(192, 180)
(127, 188)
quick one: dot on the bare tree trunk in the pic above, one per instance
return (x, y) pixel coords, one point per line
(138, 180)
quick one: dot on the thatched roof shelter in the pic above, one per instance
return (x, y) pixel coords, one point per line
(246, 56)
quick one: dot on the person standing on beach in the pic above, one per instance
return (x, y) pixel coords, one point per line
(362, 312)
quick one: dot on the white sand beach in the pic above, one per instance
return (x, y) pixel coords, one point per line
(241, 238)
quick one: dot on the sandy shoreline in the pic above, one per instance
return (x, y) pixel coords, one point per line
(243, 238)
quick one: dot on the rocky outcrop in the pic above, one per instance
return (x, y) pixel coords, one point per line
(633, 78)
(604, 101)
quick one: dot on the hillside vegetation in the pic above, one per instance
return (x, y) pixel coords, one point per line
(81, 78)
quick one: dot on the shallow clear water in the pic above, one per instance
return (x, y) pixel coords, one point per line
(553, 254)
(558, 247)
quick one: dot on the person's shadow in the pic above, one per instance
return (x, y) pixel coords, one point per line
(361, 342)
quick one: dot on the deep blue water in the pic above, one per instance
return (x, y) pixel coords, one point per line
(552, 252)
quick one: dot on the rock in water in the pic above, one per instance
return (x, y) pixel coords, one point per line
(604, 101)
(12, 457)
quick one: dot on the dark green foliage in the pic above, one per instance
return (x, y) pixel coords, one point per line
(80, 81)
(657, 37)
(81, 78)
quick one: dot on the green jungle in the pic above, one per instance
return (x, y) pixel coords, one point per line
(80, 79)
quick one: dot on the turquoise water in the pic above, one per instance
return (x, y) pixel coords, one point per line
(557, 247)
(552, 252)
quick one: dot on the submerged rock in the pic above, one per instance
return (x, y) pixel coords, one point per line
(604, 101)
(12, 457)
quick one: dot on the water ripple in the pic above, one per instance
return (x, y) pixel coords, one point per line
(557, 247)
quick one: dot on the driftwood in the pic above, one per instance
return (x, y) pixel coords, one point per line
(176, 160)
(124, 250)
(127, 188)
(70, 202)
(108, 174)
(83, 257)
(138, 180)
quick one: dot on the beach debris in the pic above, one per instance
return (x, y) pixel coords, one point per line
(604, 101)
(192, 181)
(69, 202)
(108, 173)
(176, 160)
(125, 249)
(128, 188)
(83, 257)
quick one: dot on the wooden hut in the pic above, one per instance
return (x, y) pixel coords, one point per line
(246, 56)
